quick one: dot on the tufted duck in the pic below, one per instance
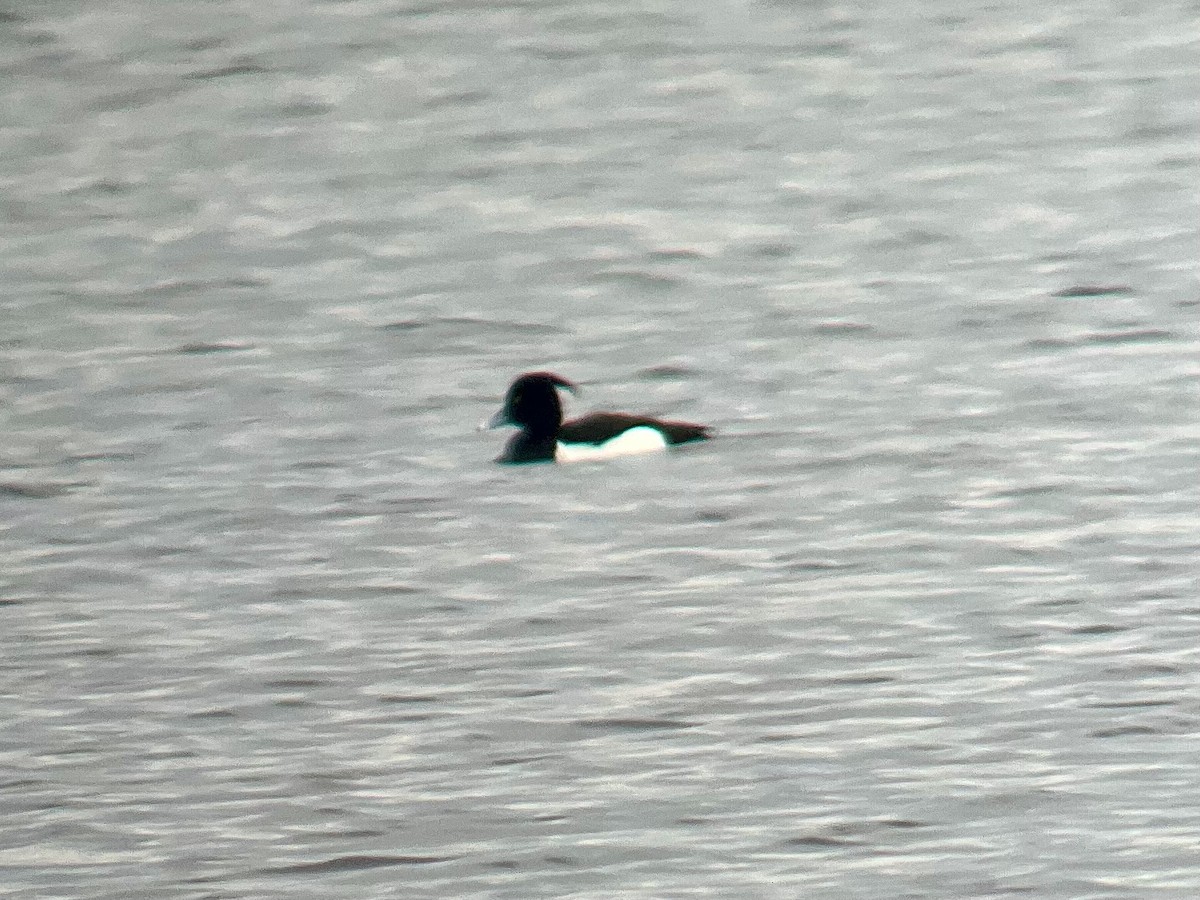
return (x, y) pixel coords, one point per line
(532, 405)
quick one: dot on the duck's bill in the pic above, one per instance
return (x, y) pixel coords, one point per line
(499, 420)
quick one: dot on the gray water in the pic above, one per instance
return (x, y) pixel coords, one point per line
(923, 621)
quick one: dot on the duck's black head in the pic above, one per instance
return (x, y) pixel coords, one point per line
(532, 404)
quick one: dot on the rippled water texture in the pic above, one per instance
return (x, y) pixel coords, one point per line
(922, 622)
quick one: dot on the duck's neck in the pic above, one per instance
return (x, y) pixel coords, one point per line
(527, 447)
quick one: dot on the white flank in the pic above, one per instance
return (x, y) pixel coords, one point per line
(642, 439)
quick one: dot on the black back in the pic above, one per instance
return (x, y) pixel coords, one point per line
(600, 427)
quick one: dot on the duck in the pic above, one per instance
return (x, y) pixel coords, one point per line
(532, 404)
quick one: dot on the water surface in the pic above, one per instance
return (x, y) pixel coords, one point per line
(922, 622)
